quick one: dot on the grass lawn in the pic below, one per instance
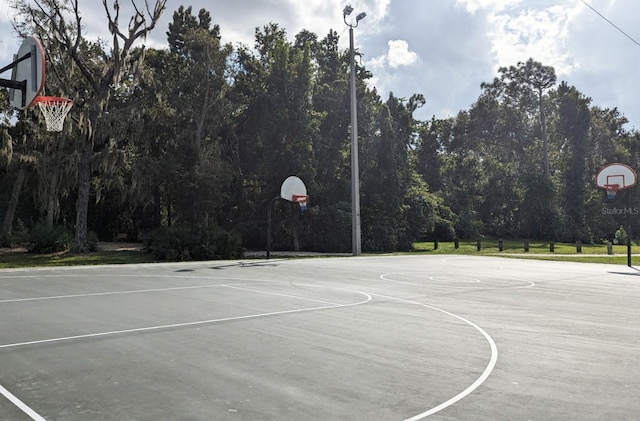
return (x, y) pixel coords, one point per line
(593, 253)
(18, 259)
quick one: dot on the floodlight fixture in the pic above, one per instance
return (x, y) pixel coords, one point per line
(347, 10)
(360, 16)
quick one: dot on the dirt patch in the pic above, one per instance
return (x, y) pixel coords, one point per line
(102, 246)
(118, 246)
(12, 250)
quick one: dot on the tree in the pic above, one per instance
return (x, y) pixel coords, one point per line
(277, 126)
(431, 145)
(203, 121)
(48, 19)
(524, 85)
(572, 130)
(183, 23)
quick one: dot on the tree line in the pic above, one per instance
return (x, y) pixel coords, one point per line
(197, 137)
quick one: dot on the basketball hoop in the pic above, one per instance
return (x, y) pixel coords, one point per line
(301, 200)
(54, 109)
(611, 189)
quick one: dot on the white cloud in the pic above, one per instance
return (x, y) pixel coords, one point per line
(399, 54)
(443, 49)
(472, 6)
(532, 33)
(376, 10)
(585, 50)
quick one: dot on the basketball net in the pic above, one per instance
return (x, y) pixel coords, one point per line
(612, 189)
(54, 109)
(300, 200)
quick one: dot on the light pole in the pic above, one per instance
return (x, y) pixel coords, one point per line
(356, 238)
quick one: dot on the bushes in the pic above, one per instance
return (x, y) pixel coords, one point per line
(327, 229)
(45, 239)
(620, 236)
(185, 243)
(19, 235)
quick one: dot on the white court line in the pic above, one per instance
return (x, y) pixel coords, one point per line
(418, 417)
(133, 291)
(281, 295)
(484, 284)
(485, 374)
(36, 417)
(21, 405)
(98, 294)
(187, 324)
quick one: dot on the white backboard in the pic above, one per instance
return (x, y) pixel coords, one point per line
(616, 174)
(292, 186)
(29, 69)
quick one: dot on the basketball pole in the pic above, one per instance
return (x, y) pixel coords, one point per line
(271, 202)
(629, 227)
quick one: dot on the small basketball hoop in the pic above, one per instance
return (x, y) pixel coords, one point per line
(300, 200)
(611, 189)
(55, 110)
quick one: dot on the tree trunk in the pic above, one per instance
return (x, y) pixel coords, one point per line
(543, 131)
(296, 239)
(157, 207)
(51, 202)
(5, 237)
(82, 202)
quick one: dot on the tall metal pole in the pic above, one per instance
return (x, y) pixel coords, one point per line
(269, 225)
(629, 228)
(356, 238)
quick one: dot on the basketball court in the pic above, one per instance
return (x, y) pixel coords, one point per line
(364, 338)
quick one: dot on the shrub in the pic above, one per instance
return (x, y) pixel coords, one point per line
(328, 228)
(19, 233)
(92, 241)
(186, 243)
(621, 236)
(44, 239)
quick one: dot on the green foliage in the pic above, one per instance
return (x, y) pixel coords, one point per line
(185, 243)
(19, 233)
(329, 228)
(621, 236)
(202, 134)
(44, 239)
(92, 241)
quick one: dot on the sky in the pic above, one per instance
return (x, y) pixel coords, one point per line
(443, 49)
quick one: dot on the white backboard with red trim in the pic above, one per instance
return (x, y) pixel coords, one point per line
(616, 174)
(291, 187)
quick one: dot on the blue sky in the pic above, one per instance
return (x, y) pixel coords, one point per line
(443, 49)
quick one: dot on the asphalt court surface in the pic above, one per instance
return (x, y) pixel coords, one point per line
(366, 338)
